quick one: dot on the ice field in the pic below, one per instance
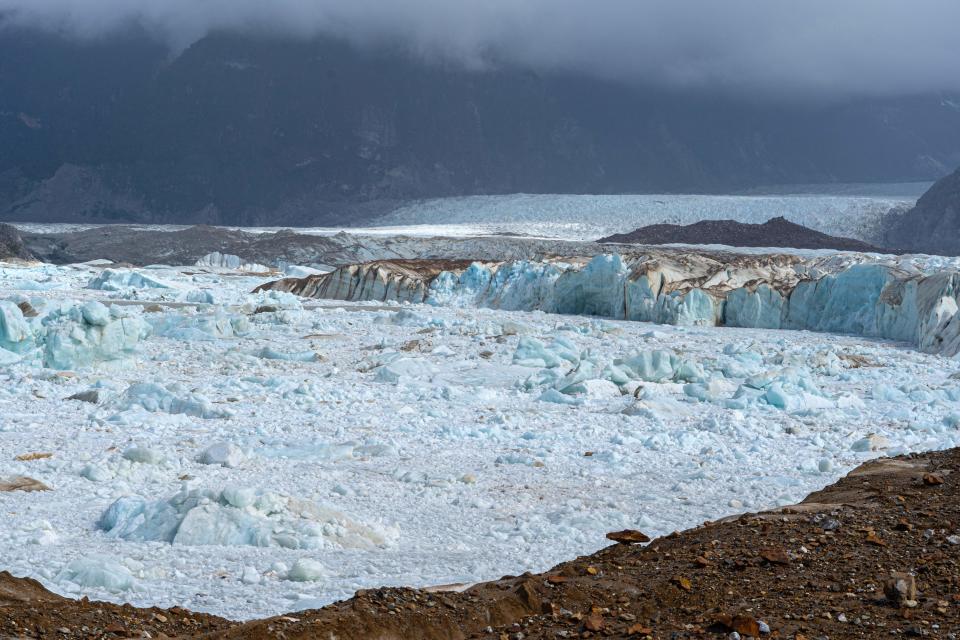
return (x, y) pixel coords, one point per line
(857, 214)
(249, 455)
(857, 211)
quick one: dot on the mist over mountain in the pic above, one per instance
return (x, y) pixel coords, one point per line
(262, 129)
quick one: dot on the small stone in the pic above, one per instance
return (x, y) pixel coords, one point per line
(901, 588)
(29, 457)
(594, 622)
(739, 624)
(592, 571)
(775, 556)
(22, 483)
(159, 617)
(830, 524)
(874, 539)
(628, 536)
(953, 540)
(683, 583)
(763, 627)
(27, 310)
(932, 479)
(91, 395)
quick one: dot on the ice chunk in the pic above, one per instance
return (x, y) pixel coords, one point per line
(90, 334)
(143, 455)
(219, 260)
(405, 369)
(269, 353)
(872, 442)
(15, 333)
(594, 389)
(224, 454)
(98, 572)
(554, 396)
(135, 463)
(534, 353)
(8, 358)
(95, 314)
(216, 326)
(238, 516)
(306, 570)
(121, 280)
(651, 366)
(169, 399)
(198, 296)
(250, 576)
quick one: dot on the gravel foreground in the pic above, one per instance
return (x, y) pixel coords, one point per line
(876, 555)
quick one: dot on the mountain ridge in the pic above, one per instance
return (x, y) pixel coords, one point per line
(258, 131)
(775, 232)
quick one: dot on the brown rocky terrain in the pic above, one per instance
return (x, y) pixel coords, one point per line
(776, 232)
(877, 555)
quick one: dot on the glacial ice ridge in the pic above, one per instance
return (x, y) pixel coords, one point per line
(858, 294)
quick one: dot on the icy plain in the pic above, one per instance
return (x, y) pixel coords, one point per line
(249, 455)
(856, 211)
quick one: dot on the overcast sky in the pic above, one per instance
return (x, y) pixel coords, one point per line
(820, 47)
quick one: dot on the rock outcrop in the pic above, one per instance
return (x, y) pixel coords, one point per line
(849, 293)
(776, 232)
(11, 244)
(933, 226)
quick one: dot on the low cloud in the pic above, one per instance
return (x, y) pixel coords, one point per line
(807, 47)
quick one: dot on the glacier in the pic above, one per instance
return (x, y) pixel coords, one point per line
(447, 385)
(856, 294)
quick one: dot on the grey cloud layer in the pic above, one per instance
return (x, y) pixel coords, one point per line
(832, 47)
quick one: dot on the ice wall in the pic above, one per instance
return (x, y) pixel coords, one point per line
(840, 293)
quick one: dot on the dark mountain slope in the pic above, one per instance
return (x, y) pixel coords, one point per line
(254, 131)
(11, 244)
(776, 232)
(933, 226)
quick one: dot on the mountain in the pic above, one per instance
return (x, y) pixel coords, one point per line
(244, 130)
(776, 232)
(933, 226)
(11, 244)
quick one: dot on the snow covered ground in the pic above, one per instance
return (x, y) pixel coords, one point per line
(250, 455)
(852, 212)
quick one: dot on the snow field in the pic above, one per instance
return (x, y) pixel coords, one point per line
(249, 464)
